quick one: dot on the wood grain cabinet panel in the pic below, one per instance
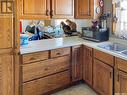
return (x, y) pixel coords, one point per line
(35, 9)
(121, 64)
(60, 52)
(121, 76)
(33, 57)
(88, 65)
(62, 9)
(44, 85)
(6, 75)
(46, 9)
(76, 64)
(107, 58)
(44, 68)
(102, 78)
(84, 9)
(6, 32)
(122, 83)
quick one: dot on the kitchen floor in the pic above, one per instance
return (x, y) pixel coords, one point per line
(81, 89)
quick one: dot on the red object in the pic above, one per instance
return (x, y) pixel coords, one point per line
(20, 26)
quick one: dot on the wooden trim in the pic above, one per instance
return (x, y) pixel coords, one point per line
(105, 57)
(121, 64)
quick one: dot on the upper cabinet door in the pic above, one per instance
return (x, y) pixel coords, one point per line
(35, 9)
(62, 9)
(84, 9)
(6, 32)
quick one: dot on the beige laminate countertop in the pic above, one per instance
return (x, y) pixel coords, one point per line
(49, 44)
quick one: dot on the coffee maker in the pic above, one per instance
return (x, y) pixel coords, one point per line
(103, 20)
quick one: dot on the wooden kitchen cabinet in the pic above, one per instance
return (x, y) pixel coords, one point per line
(62, 9)
(60, 52)
(121, 64)
(6, 75)
(102, 78)
(34, 57)
(46, 84)
(87, 65)
(122, 83)
(107, 58)
(76, 63)
(44, 68)
(34, 9)
(6, 32)
(46, 9)
(84, 9)
(121, 76)
(43, 72)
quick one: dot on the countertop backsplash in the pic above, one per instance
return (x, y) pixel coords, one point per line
(55, 22)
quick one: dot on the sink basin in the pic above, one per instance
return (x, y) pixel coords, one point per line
(113, 47)
(124, 52)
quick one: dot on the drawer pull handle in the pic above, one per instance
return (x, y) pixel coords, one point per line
(51, 12)
(32, 58)
(58, 53)
(47, 12)
(118, 77)
(111, 75)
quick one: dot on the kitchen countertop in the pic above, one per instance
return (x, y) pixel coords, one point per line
(49, 44)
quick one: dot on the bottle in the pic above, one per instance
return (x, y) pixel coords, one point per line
(24, 39)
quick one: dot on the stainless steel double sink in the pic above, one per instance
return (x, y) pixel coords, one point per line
(115, 47)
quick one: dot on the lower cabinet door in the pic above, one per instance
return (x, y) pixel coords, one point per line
(47, 84)
(87, 65)
(76, 63)
(102, 78)
(6, 75)
(122, 83)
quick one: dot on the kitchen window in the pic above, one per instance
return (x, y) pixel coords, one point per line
(120, 18)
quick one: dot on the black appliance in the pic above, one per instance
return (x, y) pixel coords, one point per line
(97, 35)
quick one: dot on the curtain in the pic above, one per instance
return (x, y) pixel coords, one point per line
(120, 15)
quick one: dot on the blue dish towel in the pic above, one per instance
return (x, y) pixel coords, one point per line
(35, 37)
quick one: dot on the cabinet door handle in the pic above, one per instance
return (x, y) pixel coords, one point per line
(47, 12)
(32, 58)
(51, 12)
(110, 74)
(75, 66)
(118, 77)
(58, 53)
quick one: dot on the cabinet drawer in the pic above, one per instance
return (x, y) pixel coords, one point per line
(35, 57)
(122, 64)
(44, 68)
(109, 59)
(44, 85)
(59, 52)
